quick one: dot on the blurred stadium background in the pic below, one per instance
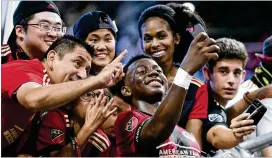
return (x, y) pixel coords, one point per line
(248, 22)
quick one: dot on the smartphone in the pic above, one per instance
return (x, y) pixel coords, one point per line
(256, 110)
(195, 30)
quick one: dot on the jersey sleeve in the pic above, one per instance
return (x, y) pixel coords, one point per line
(52, 133)
(216, 116)
(200, 107)
(127, 129)
(16, 78)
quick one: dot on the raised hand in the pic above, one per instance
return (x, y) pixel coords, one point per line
(201, 50)
(98, 111)
(241, 126)
(113, 72)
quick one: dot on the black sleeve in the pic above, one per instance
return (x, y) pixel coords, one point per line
(216, 116)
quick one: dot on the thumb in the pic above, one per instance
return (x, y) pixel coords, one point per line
(200, 37)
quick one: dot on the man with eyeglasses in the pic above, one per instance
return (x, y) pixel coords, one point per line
(37, 24)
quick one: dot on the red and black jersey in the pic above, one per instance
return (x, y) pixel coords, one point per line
(196, 103)
(15, 117)
(11, 53)
(216, 116)
(128, 127)
(52, 132)
(55, 130)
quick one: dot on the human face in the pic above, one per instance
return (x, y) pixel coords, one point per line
(73, 66)
(104, 47)
(35, 41)
(108, 126)
(226, 77)
(158, 39)
(146, 79)
(83, 102)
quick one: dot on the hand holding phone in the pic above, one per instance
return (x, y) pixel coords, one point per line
(195, 30)
(256, 110)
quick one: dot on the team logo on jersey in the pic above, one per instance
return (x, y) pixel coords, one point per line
(215, 117)
(56, 135)
(132, 124)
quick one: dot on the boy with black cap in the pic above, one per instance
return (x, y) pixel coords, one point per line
(99, 30)
(37, 24)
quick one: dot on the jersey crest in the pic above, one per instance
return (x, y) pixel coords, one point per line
(56, 135)
(132, 124)
(215, 117)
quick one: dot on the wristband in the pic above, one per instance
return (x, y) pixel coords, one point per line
(247, 99)
(182, 79)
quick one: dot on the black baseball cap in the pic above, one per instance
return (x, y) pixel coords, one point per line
(92, 21)
(28, 8)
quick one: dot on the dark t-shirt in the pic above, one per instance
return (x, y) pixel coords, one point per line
(216, 115)
(128, 128)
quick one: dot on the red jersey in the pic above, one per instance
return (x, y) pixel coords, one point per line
(55, 131)
(15, 117)
(128, 128)
(91, 151)
(195, 104)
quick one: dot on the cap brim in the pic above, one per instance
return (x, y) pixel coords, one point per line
(12, 37)
(263, 58)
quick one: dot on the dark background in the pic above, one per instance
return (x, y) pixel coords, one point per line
(248, 22)
(244, 21)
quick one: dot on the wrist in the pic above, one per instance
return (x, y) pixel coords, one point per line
(187, 69)
(86, 128)
(95, 82)
(182, 79)
(247, 99)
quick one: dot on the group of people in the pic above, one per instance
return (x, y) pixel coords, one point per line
(65, 95)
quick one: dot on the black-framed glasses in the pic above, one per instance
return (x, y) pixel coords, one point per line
(88, 96)
(46, 27)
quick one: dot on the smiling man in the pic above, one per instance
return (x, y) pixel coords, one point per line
(36, 26)
(29, 86)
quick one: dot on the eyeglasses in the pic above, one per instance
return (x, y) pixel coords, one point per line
(46, 27)
(88, 96)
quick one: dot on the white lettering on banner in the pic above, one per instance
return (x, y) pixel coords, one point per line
(179, 151)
